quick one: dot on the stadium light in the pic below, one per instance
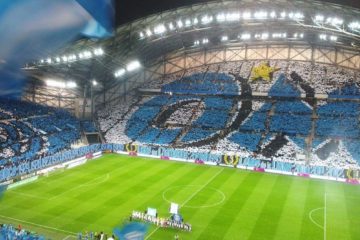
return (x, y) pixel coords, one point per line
(98, 52)
(195, 21)
(205, 41)
(334, 21)
(354, 25)
(319, 18)
(71, 85)
(180, 24)
(58, 59)
(160, 29)
(148, 33)
(49, 60)
(196, 43)
(264, 36)
(187, 23)
(141, 35)
(279, 35)
(323, 37)
(54, 83)
(42, 61)
(246, 15)
(224, 38)
(220, 17)
(133, 65)
(94, 82)
(206, 19)
(261, 15)
(245, 36)
(283, 15)
(171, 26)
(230, 17)
(65, 58)
(273, 14)
(120, 72)
(333, 38)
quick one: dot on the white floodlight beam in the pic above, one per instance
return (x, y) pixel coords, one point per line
(133, 65)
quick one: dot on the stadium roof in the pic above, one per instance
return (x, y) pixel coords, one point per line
(209, 25)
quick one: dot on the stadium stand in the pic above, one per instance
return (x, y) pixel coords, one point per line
(31, 131)
(202, 105)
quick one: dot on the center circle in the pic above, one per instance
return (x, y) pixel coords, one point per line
(190, 192)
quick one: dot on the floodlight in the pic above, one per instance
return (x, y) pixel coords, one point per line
(195, 21)
(354, 25)
(333, 38)
(171, 26)
(264, 36)
(187, 22)
(65, 58)
(71, 85)
(94, 82)
(120, 72)
(133, 65)
(97, 52)
(180, 24)
(141, 34)
(319, 18)
(261, 15)
(197, 42)
(48, 60)
(206, 19)
(54, 83)
(245, 36)
(205, 41)
(283, 14)
(246, 15)
(221, 17)
(232, 17)
(273, 14)
(224, 38)
(42, 61)
(160, 29)
(148, 32)
(58, 59)
(323, 37)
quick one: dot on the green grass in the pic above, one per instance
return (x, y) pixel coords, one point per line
(220, 203)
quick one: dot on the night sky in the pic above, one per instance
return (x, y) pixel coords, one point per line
(128, 10)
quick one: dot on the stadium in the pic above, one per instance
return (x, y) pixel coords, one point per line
(214, 120)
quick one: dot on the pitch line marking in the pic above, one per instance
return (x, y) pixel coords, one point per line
(189, 198)
(38, 225)
(70, 236)
(27, 195)
(312, 220)
(89, 183)
(223, 197)
(200, 189)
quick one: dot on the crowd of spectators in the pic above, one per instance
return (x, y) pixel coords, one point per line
(9, 232)
(296, 120)
(29, 131)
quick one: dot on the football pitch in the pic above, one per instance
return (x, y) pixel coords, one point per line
(219, 202)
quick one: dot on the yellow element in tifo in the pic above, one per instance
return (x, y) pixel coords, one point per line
(231, 160)
(263, 71)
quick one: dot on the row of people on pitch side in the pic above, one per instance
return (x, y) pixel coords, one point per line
(9, 232)
(95, 236)
(161, 222)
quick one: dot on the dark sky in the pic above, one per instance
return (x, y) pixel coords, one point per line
(127, 10)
